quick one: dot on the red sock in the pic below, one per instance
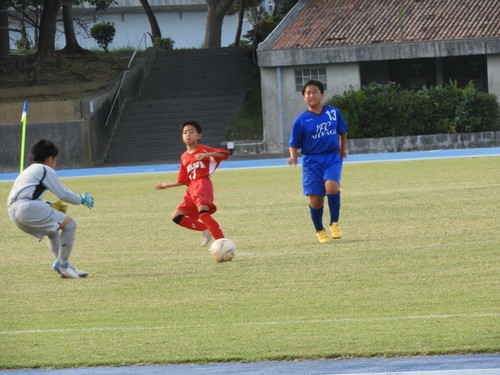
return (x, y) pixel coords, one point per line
(191, 223)
(212, 225)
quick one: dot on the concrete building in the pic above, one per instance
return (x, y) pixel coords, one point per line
(349, 44)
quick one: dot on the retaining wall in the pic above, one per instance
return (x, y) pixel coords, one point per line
(390, 144)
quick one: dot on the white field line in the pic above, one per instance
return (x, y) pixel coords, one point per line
(253, 324)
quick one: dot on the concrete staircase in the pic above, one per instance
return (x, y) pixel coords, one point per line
(205, 85)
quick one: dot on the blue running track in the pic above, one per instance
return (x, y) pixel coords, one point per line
(272, 162)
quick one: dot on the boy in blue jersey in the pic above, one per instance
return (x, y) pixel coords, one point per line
(321, 134)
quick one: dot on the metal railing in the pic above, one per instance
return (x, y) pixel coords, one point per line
(125, 75)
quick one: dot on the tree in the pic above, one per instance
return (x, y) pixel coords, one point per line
(47, 36)
(4, 30)
(264, 24)
(216, 10)
(72, 46)
(241, 6)
(155, 29)
(27, 14)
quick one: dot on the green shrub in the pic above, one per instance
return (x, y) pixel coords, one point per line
(165, 43)
(477, 111)
(387, 110)
(247, 124)
(103, 33)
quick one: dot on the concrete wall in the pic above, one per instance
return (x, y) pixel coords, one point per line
(376, 52)
(40, 112)
(424, 142)
(67, 135)
(388, 144)
(493, 63)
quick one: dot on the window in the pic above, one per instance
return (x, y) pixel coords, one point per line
(303, 75)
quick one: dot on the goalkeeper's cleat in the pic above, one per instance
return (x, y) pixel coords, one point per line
(80, 273)
(322, 237)
(335, 231)
(206, 237)
(55, 267)
(66, 270)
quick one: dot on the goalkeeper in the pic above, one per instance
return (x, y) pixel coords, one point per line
(32, 215)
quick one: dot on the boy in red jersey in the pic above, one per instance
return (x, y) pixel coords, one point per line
(198, 162)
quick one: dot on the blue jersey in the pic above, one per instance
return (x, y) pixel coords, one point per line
(318, 134)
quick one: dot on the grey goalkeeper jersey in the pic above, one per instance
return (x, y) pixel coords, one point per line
(35, 180)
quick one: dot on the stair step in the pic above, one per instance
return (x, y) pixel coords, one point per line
(205, 85)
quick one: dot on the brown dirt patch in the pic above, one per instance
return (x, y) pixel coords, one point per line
(64, 77)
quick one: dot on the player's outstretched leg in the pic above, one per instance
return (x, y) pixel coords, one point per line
(212, 225)
(189, 223)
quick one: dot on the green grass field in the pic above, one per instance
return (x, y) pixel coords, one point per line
(416, 273)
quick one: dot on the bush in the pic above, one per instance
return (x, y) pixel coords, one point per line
(387, 110)
(477, 111)
(165, 43)
(103, 33)
(247, 124)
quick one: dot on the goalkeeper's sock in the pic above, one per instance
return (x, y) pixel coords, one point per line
(189, 223)
(67, 241)
(334, 206)
(212, 225)
(317, 217)
(54, 243)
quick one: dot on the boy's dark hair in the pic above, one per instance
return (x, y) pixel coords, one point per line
(313, 82)
(43, 149)
(196, 125)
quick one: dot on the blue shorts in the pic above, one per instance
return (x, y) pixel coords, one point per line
(317, 169)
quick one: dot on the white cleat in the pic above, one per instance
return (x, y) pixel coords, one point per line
(80, 273)
(67, 271)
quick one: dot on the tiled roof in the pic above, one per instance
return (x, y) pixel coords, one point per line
(323, 23)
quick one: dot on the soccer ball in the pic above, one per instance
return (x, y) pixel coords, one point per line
(222, 250)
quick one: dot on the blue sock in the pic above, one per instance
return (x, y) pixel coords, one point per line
(334, 206)
(317, 217)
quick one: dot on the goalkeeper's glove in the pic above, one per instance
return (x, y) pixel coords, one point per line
(87, 200)
(59, 205)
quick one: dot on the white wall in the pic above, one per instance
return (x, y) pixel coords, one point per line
(187, 29)
(493, 63)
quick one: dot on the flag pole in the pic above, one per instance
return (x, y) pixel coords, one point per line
(23, 137)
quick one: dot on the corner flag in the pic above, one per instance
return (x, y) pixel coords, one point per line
(23, 137)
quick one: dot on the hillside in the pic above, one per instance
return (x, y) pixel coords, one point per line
(65, 77)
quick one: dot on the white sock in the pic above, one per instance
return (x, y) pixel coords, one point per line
(67, 241)
(54, 243)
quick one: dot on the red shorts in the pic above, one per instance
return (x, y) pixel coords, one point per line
(198, 192)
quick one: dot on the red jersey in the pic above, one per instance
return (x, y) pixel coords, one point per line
(194, 169)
